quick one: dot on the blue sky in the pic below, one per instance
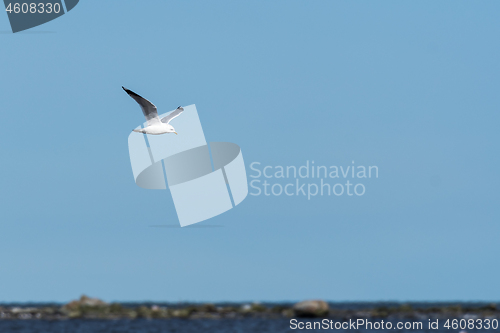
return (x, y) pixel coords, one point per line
(411, 87)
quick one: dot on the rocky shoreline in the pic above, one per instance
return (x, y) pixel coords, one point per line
(93, 308)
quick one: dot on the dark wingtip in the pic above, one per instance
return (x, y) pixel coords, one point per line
(131, 93)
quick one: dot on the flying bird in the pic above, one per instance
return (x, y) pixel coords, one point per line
(156, 125)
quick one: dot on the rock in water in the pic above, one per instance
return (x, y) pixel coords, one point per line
(85, 301)
(313, 308)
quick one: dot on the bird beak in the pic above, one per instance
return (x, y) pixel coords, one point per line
(175, 132)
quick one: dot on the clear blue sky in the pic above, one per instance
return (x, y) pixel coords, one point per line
(412, 87)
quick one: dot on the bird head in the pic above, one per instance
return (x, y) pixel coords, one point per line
(171, 129)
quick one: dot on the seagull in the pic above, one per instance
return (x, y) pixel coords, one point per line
(156, 126)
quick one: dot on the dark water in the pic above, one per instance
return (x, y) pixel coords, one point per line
(145, 326)
(178, 326)
(244, 325)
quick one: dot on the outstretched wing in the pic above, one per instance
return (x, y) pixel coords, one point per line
(148, 108)
(171, 116)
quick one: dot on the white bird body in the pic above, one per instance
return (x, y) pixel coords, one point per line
(157, 129)
(156, 126)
